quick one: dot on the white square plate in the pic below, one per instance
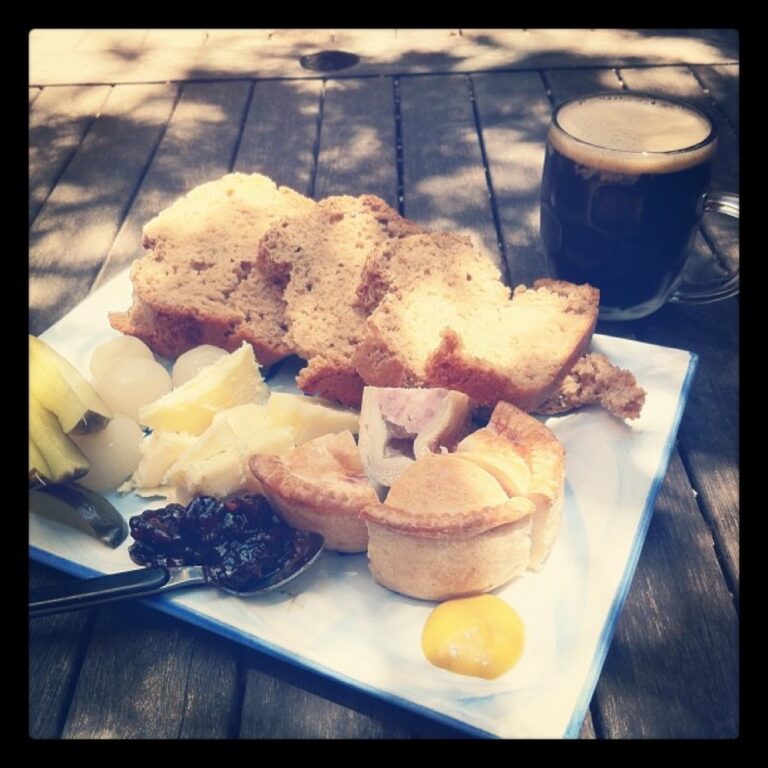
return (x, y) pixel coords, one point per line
(337, 621)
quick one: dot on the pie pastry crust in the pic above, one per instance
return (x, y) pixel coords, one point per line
(456, 534)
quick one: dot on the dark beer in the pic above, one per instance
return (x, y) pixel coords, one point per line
(622, 190)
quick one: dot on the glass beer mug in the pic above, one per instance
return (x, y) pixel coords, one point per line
(624, 187)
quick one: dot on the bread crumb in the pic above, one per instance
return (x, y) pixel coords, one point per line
(595, 380)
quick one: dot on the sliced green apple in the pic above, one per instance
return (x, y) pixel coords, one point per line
(60, 388)
(65, 461)
(38, 466)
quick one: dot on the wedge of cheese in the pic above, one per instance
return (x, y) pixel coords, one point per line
(159, 452)
(216, 463)
(310, 417)
(232, 380)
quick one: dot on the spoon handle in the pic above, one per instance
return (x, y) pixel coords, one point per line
(106, 589)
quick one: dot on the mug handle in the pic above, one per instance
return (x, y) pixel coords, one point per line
(714, 202)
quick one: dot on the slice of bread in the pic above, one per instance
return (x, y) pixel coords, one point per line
(520, 352)
(199, 282)
(441, 317)
(319, 258)
(414, 289)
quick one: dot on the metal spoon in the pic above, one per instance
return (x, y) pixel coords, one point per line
(151, 581)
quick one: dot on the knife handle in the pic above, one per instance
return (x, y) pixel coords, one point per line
(102, 589)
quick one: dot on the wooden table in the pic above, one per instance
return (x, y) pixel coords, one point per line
(449, 127)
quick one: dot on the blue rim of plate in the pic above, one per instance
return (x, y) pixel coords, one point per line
(168, 606)
(190, 615)
(606, 635)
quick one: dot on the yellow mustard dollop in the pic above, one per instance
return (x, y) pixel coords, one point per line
(478, 636)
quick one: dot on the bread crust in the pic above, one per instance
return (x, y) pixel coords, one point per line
(332, 380)
(453, 367)
(170, 331)
(452, 364)
(290, 284)
(379, 364)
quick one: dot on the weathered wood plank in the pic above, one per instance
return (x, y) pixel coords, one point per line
(197, 146)
(149, 676)
(443, 179)
(587, 730)
(72, 234)
(280, 132)
(722, 82)
(56, 646)
(58, 120)
(569, 83)
(243, 38)
(357, 142)
(303, 40)
(214, 689)
(277, 53)
(274, 709)
(673, 667)
(127, 42)
(570, 48)
(284, 702)
(513, 112)
(174, 38)
(365, 42)
(56, 39)
(709, 431)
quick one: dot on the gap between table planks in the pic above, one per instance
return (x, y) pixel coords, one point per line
(59, 122)
(217, 145)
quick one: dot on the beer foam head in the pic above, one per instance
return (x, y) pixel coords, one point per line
(632, 133)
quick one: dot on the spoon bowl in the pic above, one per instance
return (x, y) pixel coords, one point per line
(154, 580)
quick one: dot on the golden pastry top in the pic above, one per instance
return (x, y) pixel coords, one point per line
(498, 475)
